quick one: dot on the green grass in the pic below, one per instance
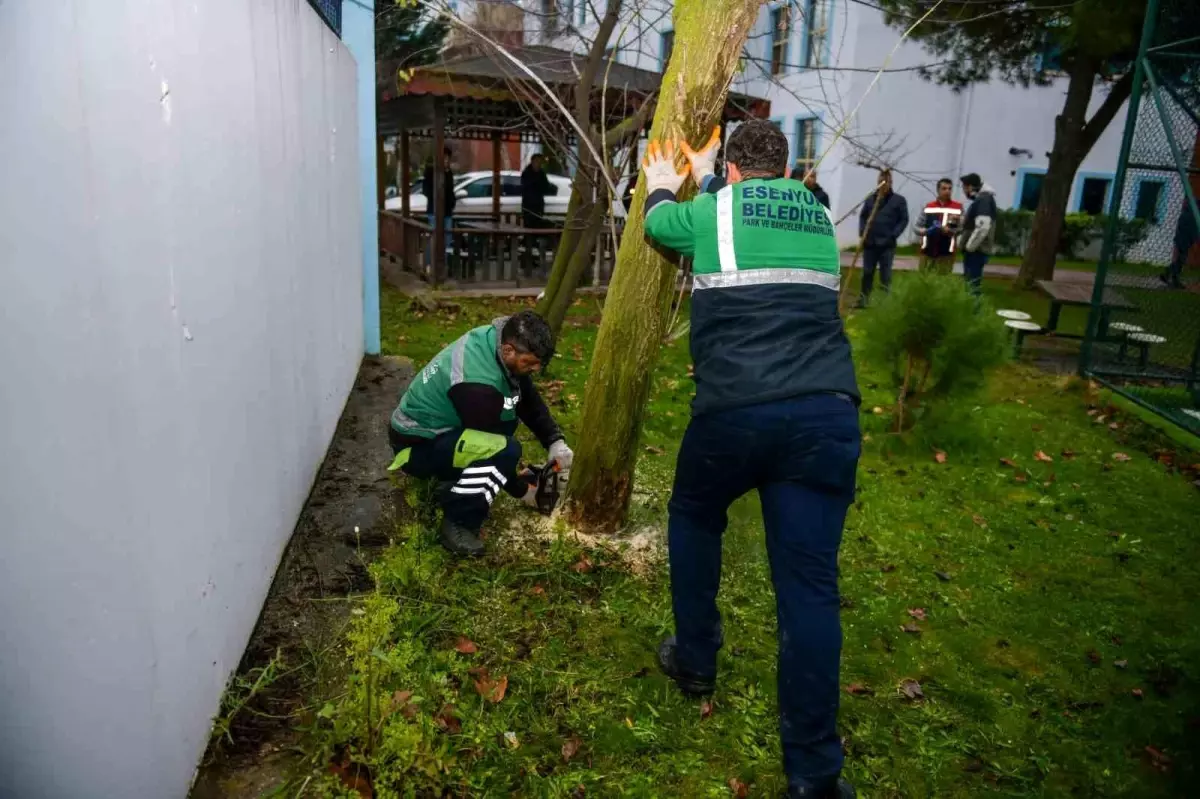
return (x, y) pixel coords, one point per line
(1057, 570)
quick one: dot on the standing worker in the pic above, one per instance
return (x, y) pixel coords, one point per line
(978, 229)
(880, 231)
(776, 410)
(448, 202)
(455, 423)
(810, 182)
(1185, 239)
(938, 228)
(534, 188)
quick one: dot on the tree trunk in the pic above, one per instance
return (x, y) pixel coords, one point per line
(580, 259)
(708, 44)
(1074, 136)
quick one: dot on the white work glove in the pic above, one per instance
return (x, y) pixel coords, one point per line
(703, 161)
(658, 169)
(561, 454)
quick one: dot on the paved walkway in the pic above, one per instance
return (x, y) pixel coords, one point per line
(411, 284)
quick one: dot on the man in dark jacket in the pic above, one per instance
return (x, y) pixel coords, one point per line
(1185, 239)
(978, 229)
(879, 238)
(534, 188)
(810, 182)
(775, 411)
(448, 199)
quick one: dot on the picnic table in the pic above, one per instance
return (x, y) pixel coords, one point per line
(1064, 293)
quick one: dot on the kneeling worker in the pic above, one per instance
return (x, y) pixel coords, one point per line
(456, 421)
(776, 410)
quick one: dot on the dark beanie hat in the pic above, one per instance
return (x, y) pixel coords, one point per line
(972, 179)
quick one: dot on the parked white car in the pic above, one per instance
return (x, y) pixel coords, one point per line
(474, 193)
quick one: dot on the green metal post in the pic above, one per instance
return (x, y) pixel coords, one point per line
(1110, 230)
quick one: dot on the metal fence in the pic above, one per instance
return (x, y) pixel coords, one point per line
(1143, 335)
(331, 12)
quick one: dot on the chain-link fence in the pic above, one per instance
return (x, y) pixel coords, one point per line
(1144, 328)
(330, 11)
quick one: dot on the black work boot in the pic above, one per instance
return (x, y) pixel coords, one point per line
(459, 539)
(688, 683)
(842, 790)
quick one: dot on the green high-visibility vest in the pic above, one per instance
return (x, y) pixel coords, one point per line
(426, 411)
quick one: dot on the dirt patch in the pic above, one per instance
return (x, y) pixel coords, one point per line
(349, 517)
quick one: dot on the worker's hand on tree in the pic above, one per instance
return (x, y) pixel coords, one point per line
(659, 169)
(703, 161)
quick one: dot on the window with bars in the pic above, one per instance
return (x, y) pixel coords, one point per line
(806, 145)
(331, 12)
(816, 30)
(781, 28)
(664, 53)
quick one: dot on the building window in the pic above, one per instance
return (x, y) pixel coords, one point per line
(781, 27)
(806, 145)
(1146, 204)
(1093, 195)
(1029, 192)
(816, 29)
(668, 45)
(581, 10)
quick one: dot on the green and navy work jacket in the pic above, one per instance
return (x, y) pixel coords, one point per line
(764, 315)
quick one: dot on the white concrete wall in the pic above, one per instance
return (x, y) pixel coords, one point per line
(180, 266)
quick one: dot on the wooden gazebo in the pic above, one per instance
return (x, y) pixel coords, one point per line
(478, 95)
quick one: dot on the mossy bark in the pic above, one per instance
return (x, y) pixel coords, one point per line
(709, 37)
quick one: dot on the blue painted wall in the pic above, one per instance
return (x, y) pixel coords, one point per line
(358, 33)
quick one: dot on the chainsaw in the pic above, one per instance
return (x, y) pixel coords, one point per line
(547, 478)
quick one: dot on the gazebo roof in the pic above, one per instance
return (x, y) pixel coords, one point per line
(480, 93)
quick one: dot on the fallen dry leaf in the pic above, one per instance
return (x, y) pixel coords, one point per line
(511, 740)
(1043, 457)
(858, 689)
(691, 370)
(877, 411)
(917, 613)
(447, 720)
(945, 578)
(1008, 462)
(537, 590)
(570, 747)
(1020, 478)
(911, 627)
(1137, 693)
(740, 789)
(706, 708)
(911, 689)
(655, 450)
(1114, 426)
(1094, 656)
(1120, 457)
(887, 567)
(354, 776)
(465, 646)
(939, 456)
(1121, 664)
(979, 520)
(582, 566)
(1068, 454)
(1158, 759)
(491, 690)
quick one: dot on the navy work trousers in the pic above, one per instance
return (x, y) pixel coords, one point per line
(973, 264)
(801, 455)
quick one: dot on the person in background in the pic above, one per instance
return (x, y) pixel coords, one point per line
(879, 239)
(938, 227)
(978, 229)
(810, 182)
(1185, 239)
(534, 188)
(448, 200)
